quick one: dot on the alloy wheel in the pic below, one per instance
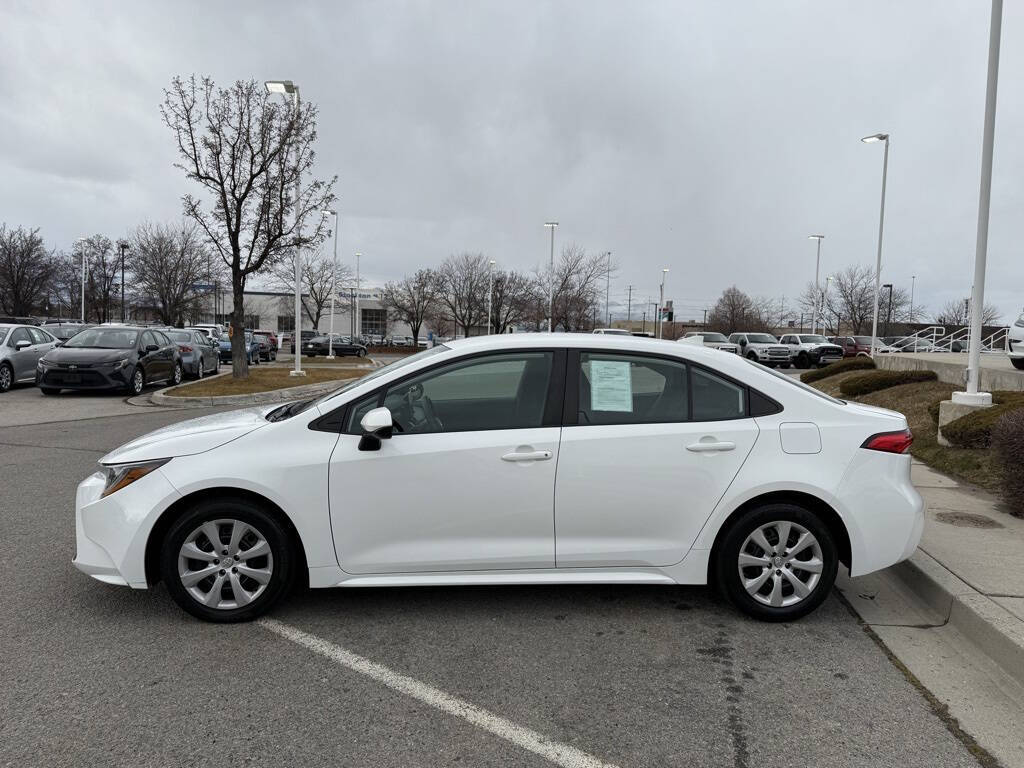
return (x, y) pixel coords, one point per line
(780, 563)
(177, 374)
(5, 378)
(225, 564)
(138, 381)
(202, 368)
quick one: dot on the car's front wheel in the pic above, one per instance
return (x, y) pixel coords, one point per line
(227, 560)
(137, 381)
(802, 361)
(777, 562)
(1018, 363)
(6, 377)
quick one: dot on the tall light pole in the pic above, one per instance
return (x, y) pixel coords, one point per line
(124, 247)
(824, 303)
(334, 279)
(884, 137)
(629, 308)
(913, 279)
(359, 320)
(972, 395)
(290, 88)
(551, 276)
(607, 290)
(490, 292)
(817, 283)
(661, 301)
(888, 308)
(82, 240)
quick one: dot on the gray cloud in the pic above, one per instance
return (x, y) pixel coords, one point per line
(707, 137)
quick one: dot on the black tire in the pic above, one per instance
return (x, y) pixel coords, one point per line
(176, 375)
(6, 377)
(282, 552)
(784, 365)
(752, 356)
(802, 361)
(1018, 363)
(49, 390)
(137, 382)
(361, 353)
(726, 565)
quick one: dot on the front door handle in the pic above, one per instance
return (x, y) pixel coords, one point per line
(710, 446)
(527, 456)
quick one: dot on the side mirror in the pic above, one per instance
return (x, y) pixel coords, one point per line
(376, 425)
(22, 345)
(152, 348)
(743, 342)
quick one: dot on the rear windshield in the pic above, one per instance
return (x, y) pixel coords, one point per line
(104, 338)
(179, 335)
(712, 337)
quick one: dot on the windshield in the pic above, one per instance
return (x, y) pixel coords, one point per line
(713, 337)
(796, 382)
(813, 339)
(104, 338)
(382, 371)
(179, 335)
(761, 338)
(863, 340)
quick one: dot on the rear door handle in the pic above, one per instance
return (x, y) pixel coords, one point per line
(527, 456)
(709, 447)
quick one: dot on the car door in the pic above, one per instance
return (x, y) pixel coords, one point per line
(154, 365)
(466, 482)
(22, 360)
(649, 447)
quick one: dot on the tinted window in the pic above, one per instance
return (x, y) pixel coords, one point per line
(715, 398)
(494, 392)
(19, 334)
(39, 337)
(183, 336)
(631, 389)
(161, 338)
(359, 409)
(761, 338)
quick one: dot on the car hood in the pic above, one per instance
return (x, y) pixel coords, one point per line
(91, 355)
(190, 437)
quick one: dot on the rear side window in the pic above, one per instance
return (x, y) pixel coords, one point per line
(39, 337)
(631, 389)
(715, 398)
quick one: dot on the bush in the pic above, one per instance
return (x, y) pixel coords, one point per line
(975, 429)
(865, 383)
(842, 366)
(1008, 447)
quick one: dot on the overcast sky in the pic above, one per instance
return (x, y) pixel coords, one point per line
(708, 137)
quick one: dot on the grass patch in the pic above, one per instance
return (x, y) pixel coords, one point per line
(972, 465)
(262, 380)
(834, 369)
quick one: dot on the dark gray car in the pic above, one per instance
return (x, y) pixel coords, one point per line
(21, 346)
(199, 353)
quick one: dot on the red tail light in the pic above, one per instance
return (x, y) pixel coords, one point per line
(186, 348)
(889, 442)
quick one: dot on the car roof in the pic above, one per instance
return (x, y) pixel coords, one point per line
(582, 341)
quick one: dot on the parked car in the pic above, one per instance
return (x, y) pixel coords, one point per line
(123, 358)
(909, 344)
(268, 350)
(781, 482)
(199, 352)
(715, 341)
(21, 346)
(762, 348)
(318, 345)
(807, 349)
(63, 331)
(1015, 344)
(252, 349)
(214, 330)
(306, 336)
(612, 331)
(274, 341)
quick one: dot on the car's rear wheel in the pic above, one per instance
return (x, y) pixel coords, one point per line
(202, 369)
(227, 560)
(6, 377)
(1018, 363)
(176, 375)
(777, 562)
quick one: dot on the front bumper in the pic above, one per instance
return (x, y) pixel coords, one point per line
(111, 532)
(1014, 346)
(83, 378)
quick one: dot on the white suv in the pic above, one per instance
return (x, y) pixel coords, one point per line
(1015, 343)
(714, 340)
(762, 348)
(807, 349)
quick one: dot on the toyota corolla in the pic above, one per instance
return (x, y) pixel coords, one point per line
(516, 459)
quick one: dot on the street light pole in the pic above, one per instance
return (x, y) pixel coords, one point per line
(490, 292)
(551, 277)
(661, 300)
(884, 137)
(817, 283)
(913, 278)
(607, 290)
(359, 323)
(972, 395)
(123, 245)
(334, 279)
(629, 308)
(290, 88)
(888, 308)
(82, 240)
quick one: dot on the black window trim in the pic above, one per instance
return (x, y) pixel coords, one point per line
(570, 412)
(334, 420)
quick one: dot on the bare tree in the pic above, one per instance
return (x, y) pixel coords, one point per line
(65, 286)
(510, 299)
(26, 270)
(168, 265)
(412, 299)
(103, 273)
(463, 289)
(958, 313)
(319, 280)
(248, 151)
(577, 280)
(734, 311)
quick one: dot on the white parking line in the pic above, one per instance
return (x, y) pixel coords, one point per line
(556, 752)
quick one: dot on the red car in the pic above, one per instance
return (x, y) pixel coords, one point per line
(854, 346)
(272, 335)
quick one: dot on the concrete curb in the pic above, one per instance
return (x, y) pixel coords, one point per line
(254, 398)
(996, 631)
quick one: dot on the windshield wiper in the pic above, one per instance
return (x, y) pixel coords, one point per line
(288, 410)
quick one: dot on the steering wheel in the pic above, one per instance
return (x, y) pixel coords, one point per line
(417, 412)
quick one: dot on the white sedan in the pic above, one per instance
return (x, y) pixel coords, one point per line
(514, 459)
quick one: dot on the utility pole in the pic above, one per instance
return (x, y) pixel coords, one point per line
(607, 289)
(705, 323)
(123, 245)
(643, 323)
(629, 307)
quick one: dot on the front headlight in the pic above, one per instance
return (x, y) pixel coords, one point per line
(119, 476)
(43, 363)
(119, 364)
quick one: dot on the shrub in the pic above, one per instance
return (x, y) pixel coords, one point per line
(865, 383)
(975, 429)
(842, 366)
(1008, 447)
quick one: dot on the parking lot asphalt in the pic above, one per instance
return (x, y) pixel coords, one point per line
(586, 676)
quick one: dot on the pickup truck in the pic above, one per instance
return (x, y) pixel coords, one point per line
(762, 348)
(810, 349)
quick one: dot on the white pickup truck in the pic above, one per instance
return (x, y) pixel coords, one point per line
(762, 348)
(810, 349)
